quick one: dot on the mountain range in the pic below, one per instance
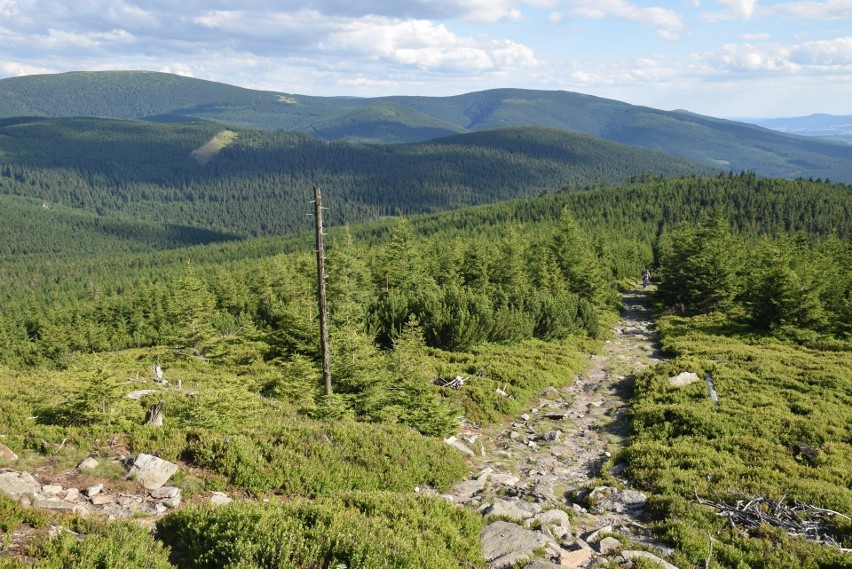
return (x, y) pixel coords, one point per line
(160, 97)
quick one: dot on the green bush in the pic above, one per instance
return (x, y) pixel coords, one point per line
(116, 545)
(312, 458)
(363, 530)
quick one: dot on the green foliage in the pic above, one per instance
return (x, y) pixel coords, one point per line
(122, 545)
(699, 266)
(773, 396)
(365, 530)
(320, 458)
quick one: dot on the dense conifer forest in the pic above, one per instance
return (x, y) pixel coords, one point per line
(116, 253)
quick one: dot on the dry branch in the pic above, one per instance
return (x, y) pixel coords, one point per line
(798, 520)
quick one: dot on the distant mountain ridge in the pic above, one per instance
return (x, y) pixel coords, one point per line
(832, 127)
(163, 97)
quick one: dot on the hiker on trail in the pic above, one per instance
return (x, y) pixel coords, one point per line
(646, 278)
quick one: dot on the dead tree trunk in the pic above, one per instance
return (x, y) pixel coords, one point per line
(323, 308)
(155, 414)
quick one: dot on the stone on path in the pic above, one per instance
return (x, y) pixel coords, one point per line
(18, 484)
(608, 545)
(150, 471)
(554, 517)
(7, 454)
(501, 538)
(517, 510)
(542, 565)
(505, 478)
(51, 489)
(631, 554)
(93, 491)
(575, 558)
(71, 494)
(102, 499)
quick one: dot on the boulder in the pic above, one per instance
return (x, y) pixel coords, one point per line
(93, 491)
(7, 454)
(220, 499)
(51, 489)
(88, 464)
(684, 378)
(608, 545)
(150, 471)
(502, 538)
(71, 494)
(169, 495)
(18, 484)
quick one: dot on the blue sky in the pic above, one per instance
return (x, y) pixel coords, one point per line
(726, 58)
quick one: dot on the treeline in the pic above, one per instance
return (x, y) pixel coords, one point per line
(622, 225)
(792, 283)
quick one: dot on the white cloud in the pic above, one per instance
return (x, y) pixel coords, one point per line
(825, 56)
(598, 9)
(732, 10)
(832, 53)
(831, 10)
(426, 45)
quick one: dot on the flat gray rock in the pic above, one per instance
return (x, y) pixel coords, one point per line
(516, 510)
(18, 484)
(501, 538)
(631, 554)
(57, 505)
(150, 471)
(458, 445)
(554, 517)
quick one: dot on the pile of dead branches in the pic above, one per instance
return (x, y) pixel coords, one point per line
(798, 520)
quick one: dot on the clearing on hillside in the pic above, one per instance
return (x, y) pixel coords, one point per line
(206, 152)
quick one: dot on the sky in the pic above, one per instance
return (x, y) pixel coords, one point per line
(724, 58)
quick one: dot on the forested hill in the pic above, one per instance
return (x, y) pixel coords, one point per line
(162, 97)
(252, 182)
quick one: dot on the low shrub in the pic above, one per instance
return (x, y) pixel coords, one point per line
(363, 530)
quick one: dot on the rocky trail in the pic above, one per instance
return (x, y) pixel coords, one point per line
(546, 482)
